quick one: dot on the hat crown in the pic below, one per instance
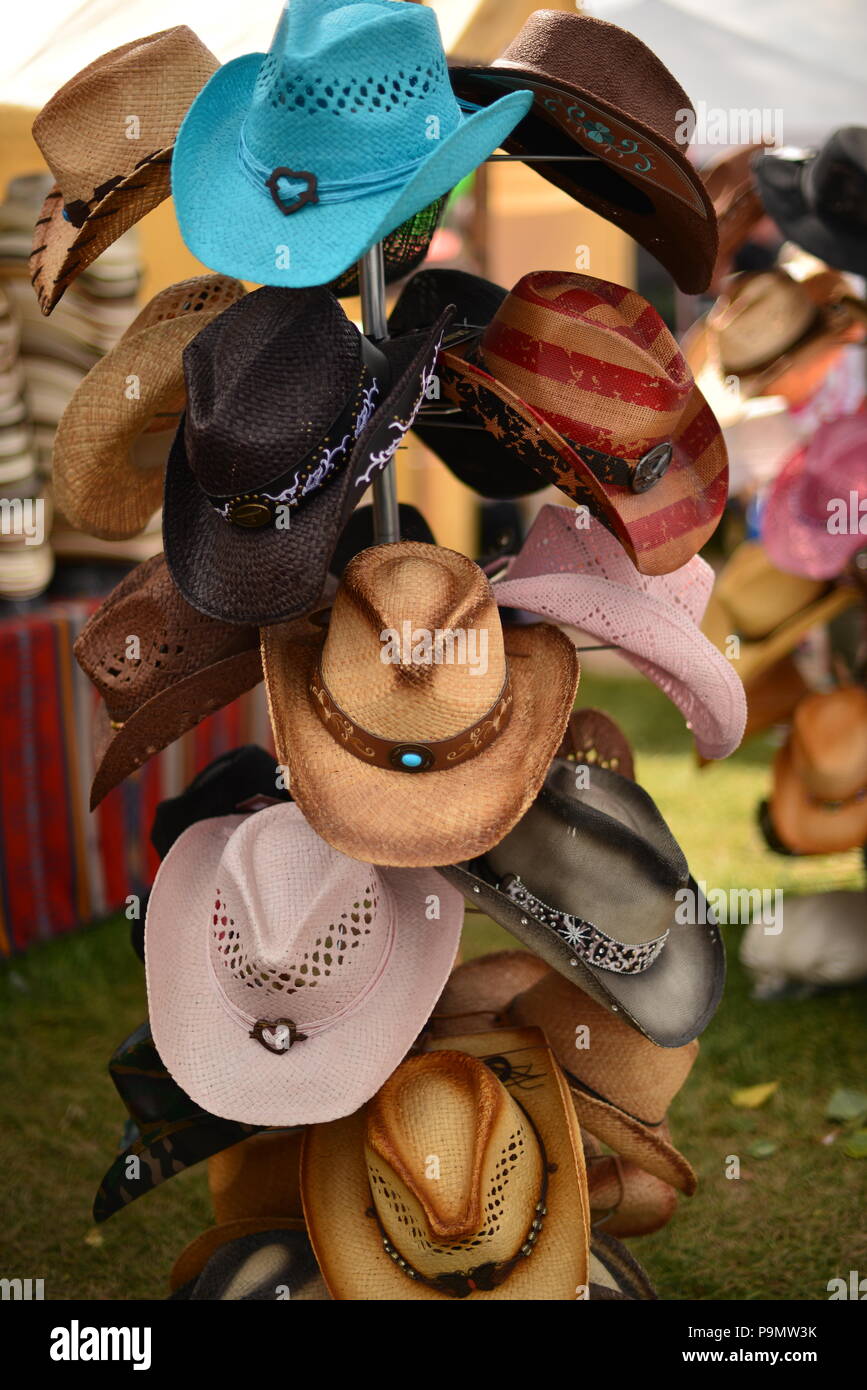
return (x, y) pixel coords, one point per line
(601, 853)
(829, 743)
(280, 367)
(763, 314)
(835, 181)
(297, 928)
(618, 1063)
(455, 1168)
(377, 62)
(581, 51)
(835, 464)
(193, 296)
(556, 545)
(145, 637)
(414, 648)
(594, 359)
(86, 131)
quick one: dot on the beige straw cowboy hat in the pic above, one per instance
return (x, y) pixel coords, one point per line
(416, 730)
(107, 137)
(768, 610)
(621, 1083)
(479, 991)
(462, 1178)
(819, 800)
(114, 437)
(768, 323)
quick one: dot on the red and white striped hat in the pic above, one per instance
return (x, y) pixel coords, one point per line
(583, 381)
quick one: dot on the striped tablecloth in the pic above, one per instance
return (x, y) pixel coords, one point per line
(60, 865)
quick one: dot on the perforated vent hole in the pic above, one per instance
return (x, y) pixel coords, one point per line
(315, 95)
(511, 1153)
(328, 952)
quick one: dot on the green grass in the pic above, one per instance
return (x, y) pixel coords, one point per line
(789, 1224)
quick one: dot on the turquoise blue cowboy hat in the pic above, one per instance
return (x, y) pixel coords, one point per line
(291, 164)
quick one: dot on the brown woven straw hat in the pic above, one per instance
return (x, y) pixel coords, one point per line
(625, 1200)
(187, 666)
(417, 730)
(622, 1084)
(819, 800)
(463, 1177)
(479, 991)
(114, 437)
(107, 137)
(258, 1177)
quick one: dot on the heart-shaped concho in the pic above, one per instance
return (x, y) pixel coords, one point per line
(276, 1034)
(292, 202)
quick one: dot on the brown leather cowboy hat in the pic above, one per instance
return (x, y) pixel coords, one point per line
(599, 91)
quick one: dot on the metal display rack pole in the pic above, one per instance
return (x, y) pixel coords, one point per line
(371, 278)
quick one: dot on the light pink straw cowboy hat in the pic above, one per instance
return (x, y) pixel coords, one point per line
(285, 980)
(573, 571)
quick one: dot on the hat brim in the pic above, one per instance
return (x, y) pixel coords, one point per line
(759, 656)
(99, 486)
(478, 991)
(660, 529)
(671, 1003)
(804, 827)
(331, 1073)
(429, 818)
(654, 194)
(336, 1190)
(192, 1260)
(794, 542)
(474, 455)
(323, 239)
(271, 574)
(780, 184)
(61, 251)
(646, 1145)
(178, 1145)
(717, 717)
(166, 716)
(615, 1272)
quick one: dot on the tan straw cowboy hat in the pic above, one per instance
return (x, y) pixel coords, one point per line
(462, 1178)
(114, 437)
(416, 729)
(107, 137)
(622, 1083)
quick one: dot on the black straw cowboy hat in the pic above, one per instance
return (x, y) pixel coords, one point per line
(475, 455)
(291, 413)
(592, 880)
(818, 198)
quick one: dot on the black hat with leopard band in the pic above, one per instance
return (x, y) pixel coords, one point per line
(592, 879)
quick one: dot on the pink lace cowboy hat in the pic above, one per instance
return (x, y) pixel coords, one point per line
(578, 574)
(815, 517)
(285, 980)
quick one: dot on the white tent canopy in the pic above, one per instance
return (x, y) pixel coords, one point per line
(804, 57)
